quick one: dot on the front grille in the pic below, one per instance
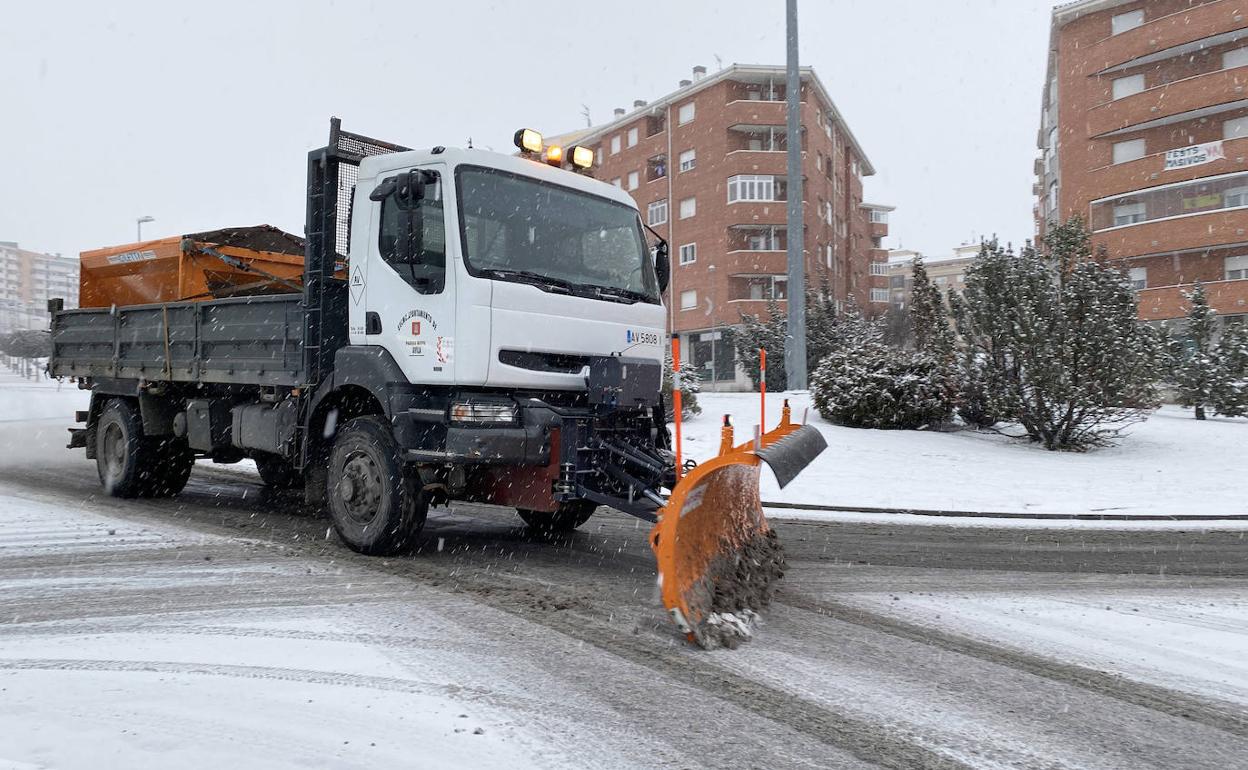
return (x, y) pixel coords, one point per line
(558, 363)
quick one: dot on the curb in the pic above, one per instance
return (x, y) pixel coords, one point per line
(1005, 515)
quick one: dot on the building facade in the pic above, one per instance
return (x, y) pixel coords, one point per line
(947, 271)
(1144, 132)
(28, 279)
(706, 165)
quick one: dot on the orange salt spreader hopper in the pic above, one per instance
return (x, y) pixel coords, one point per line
(718, 560)
(231, 262)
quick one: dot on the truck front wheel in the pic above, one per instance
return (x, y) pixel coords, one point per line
(131, 464)
(375, 508)
(569, 516)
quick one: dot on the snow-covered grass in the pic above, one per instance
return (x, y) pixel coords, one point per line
(1171, 465)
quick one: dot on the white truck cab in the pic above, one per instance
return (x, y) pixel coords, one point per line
(477, 269)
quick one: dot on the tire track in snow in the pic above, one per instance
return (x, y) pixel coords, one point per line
(1222, 716)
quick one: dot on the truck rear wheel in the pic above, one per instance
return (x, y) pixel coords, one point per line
(569, 516)
(131, 464)
(278, 473)
(375, 508)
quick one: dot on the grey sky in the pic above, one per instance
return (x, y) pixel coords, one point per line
(201, 116)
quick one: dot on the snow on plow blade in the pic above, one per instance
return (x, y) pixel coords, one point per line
(718, 560)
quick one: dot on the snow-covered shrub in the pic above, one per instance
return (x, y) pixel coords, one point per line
(864, 383)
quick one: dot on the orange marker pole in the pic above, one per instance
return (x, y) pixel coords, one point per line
(762, 390)
(676, 401)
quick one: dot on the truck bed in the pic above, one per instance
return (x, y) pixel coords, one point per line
(244, 340)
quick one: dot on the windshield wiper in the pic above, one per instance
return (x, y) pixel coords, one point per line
(542, 281)
(617, 294)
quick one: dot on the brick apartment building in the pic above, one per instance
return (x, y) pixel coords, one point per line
(28, 280)
(706, 165)
(1144, 132)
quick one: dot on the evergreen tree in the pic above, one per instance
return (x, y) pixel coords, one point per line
(1057, 335)
(1230, 397)
(1197, 373)
(767, 333)
(690, 386)
(928, 319)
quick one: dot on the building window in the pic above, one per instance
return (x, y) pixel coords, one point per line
(688, 207)
(656, 168)
(879, 268)
(1138, 277)
(1124, 87)
(598, 156)
(685, 113)
(1130, 150)
(656, 213)
(634, 180)
(688, 253)
(1199, 196)
(1237, 268)
(879, 295)
(879, 217)
(615, 145)
(758, 287)
(1126, 21)
(1235, 128)
(1052, 197)
(632, 137)
(755, 187)
(688, 160)
(1235, 58)
(689, 299)
(617, 182)
(1129, 214)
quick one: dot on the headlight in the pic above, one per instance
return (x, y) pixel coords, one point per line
(528, 140)
(484, 412)
(581, 157)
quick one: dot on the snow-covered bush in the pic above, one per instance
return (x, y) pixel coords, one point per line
(875, 386)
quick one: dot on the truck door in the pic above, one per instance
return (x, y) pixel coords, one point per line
(409, 291)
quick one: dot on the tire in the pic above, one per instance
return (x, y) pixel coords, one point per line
(569, 516)
(278, 473)
(130, 464)
(375, 508)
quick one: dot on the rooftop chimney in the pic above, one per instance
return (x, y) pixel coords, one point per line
(619, 112)
(684, 83)
(699, 72)
(639, 103)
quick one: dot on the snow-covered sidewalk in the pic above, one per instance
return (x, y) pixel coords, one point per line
(1170, 465)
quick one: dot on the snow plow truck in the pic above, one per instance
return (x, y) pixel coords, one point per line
(455, 325)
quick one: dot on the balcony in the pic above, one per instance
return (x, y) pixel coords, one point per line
(1228, 298)
(1171, 100)
(1170, 35)
(1150, 170)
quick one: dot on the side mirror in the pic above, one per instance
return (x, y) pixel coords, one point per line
(662, 265)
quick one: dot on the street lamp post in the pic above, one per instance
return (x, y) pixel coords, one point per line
(139, 224)
(795, 347)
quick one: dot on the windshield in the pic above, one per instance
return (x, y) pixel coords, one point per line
(520, 229)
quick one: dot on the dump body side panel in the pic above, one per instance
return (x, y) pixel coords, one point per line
(245, 341)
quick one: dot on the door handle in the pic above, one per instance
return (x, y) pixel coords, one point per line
(372, 323)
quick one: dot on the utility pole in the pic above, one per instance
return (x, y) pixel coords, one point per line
(795, 342)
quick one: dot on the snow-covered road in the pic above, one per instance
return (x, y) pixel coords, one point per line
(223, 628)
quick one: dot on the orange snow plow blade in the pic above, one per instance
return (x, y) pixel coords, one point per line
(718, 560)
